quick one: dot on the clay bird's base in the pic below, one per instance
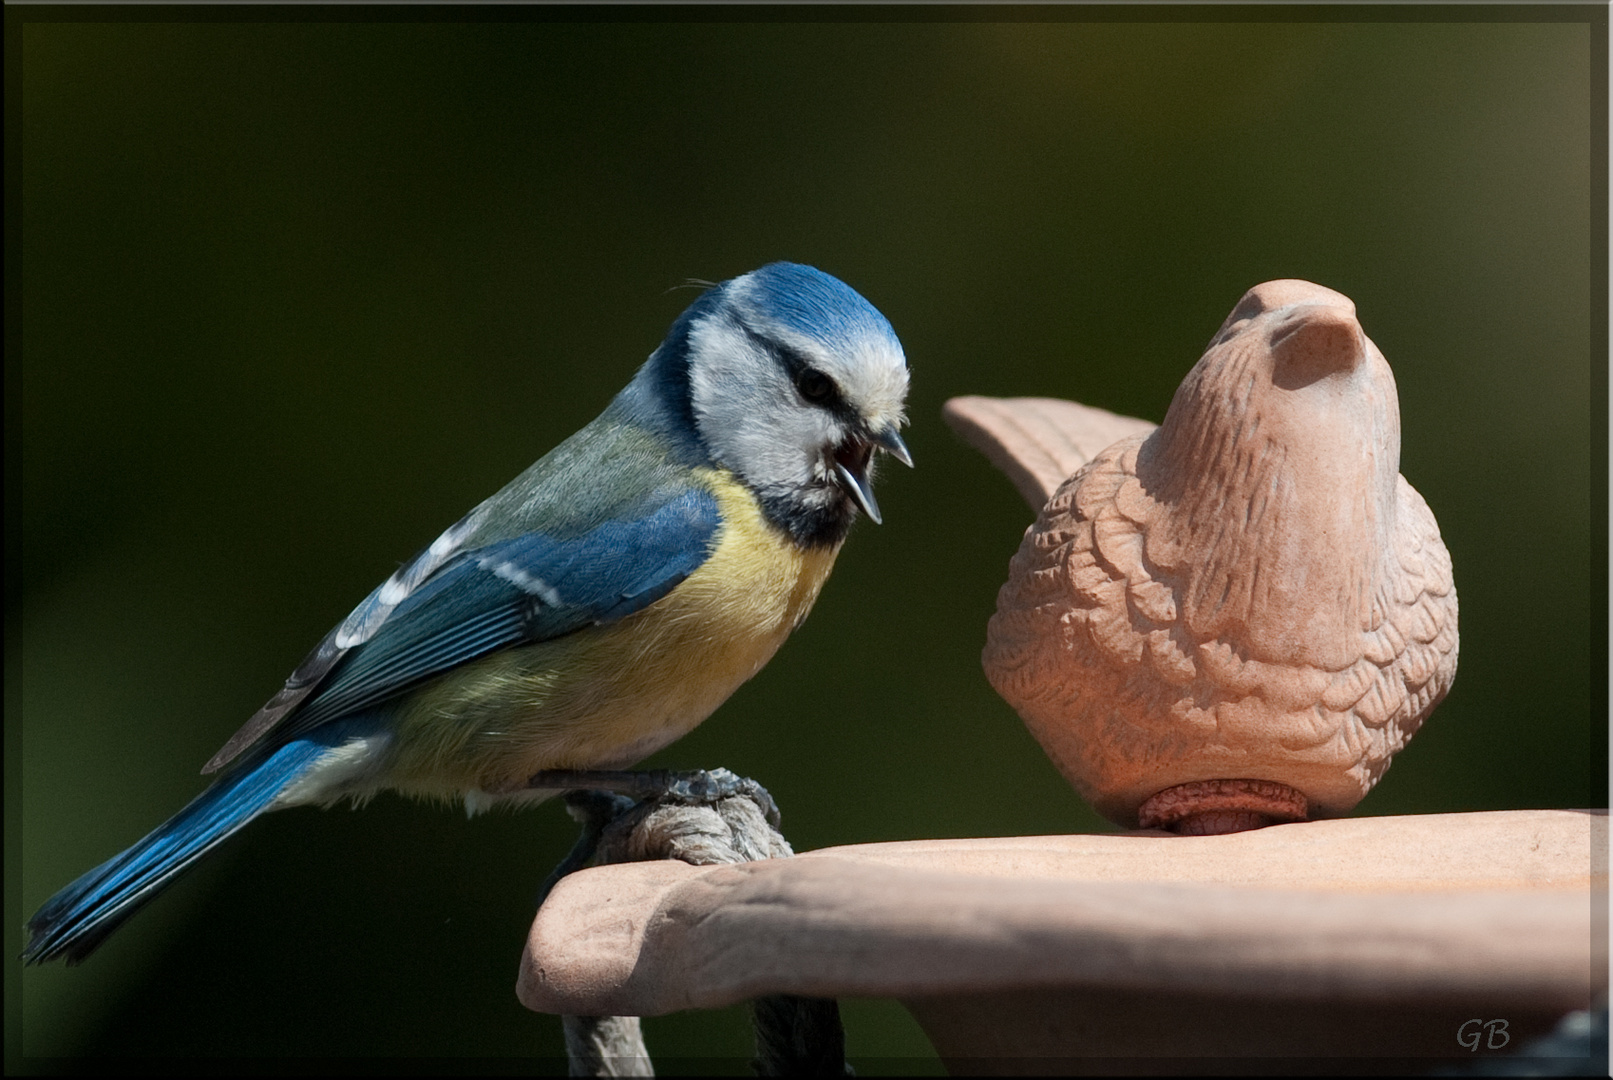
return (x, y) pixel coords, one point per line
(1215, 807)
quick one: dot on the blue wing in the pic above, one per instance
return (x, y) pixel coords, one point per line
(529, 588)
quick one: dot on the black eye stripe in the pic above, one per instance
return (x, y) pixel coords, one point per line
(812, 384)
(794, 363)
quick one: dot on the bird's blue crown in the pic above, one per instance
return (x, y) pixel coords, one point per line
(814, 304)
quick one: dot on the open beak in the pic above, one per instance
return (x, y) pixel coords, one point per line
(889, 440)
(851, 466)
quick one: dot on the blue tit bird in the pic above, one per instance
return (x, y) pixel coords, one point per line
(601, 605)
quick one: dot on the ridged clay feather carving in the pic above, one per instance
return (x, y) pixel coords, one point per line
(1237, 618)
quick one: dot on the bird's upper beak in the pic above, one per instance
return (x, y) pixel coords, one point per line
(851, 463)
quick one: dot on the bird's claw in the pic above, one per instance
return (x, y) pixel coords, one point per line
(696, 787)
(707, 786)
(597, 797)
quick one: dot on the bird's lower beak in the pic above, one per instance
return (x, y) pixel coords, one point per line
(851, 464)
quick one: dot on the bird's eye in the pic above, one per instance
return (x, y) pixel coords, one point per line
(814, 385)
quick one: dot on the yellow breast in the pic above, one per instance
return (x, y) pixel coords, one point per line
(607, 697)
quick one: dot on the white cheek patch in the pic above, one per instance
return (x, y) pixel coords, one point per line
(748, 412)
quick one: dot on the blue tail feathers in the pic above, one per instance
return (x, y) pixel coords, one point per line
(73, 923)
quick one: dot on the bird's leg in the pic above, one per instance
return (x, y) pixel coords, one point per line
(700, 787)
(595, 810)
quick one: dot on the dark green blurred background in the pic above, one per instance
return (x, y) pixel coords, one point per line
(293, 296)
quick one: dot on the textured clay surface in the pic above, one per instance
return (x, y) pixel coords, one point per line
(1251, 592)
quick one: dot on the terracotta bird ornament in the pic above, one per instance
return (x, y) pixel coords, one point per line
(1237, 618)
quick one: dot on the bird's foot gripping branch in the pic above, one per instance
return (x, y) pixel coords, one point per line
(698, 786)
(704, 819)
